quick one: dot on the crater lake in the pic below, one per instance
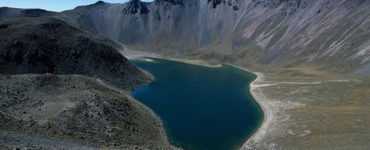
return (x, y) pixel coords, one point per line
(201, 107)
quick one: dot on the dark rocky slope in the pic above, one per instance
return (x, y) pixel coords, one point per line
(49, 45)
(53, 91)
(323, 34)
(73, 112)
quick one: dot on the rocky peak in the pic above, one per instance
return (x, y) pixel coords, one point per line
(136, 6)
(99, 3)
(214, 3)
(174, 2)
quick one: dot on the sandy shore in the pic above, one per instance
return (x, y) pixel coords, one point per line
(130, 54)
(255, 89)
(268, 110)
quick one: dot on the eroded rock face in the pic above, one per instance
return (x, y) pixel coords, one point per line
(49, 45)
(286, 32)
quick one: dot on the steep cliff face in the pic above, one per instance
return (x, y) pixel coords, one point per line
(330, 35)
(154, 25)
(326, 32)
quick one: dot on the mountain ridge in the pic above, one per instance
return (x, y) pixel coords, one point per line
(273, 31)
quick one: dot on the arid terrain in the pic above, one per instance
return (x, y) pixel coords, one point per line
(314, 112)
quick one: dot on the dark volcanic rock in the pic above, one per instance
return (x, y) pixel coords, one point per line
(135, 6)
(49, 45)
(214, 3)
(6, 12)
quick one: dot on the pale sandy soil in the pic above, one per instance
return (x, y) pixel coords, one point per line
(268, 110)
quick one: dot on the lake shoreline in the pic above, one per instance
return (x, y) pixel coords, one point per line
(257, 94)
(267, 109)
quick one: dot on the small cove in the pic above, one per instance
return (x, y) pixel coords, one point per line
(201, 107)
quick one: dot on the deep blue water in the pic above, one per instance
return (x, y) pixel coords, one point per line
(202, 108)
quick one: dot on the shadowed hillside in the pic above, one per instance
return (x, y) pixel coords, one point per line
(49, 45)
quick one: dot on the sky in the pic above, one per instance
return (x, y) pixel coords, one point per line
(53, 5)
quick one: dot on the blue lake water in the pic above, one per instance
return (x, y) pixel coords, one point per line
(202, 108)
